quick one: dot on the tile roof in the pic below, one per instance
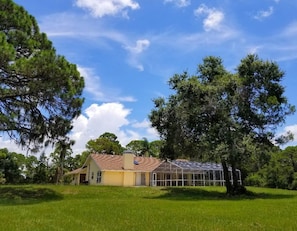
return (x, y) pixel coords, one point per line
(76, 171)
(116, 162)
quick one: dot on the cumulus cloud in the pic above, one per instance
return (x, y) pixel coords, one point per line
(107, 117)
(96, 120)
(103, 8)
(151, 132)
(214, 17)
(136, 51)
(264, 13)
(179, 3)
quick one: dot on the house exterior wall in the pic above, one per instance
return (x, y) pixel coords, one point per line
(75, 179)
(92, 170)
(147, 178)
(125, 177)
(128, 178)
(112, 178)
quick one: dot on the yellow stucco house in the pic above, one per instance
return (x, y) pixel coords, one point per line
(131, 170)
(118, 170)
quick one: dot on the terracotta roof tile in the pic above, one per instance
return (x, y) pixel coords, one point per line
(115, 162)
(76, 171)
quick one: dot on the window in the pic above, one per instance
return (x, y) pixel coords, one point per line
(99, 177)
(92, 176)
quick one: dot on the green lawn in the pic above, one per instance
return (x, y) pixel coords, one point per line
(144, 208)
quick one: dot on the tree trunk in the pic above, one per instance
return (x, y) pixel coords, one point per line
(234, 176)
(235, 188)
(226, 177)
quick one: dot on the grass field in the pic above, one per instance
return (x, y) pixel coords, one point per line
(144, 208)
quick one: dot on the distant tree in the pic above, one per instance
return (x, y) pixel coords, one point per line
(155, 147)
(40, 91)
(282, 169)
(136, 146)
(83, 157)
(62, 151)
(31, 164)
(220, 116)
(144, 147)
(106, 143)
(42, 174)
(10, 169)
(72, 163)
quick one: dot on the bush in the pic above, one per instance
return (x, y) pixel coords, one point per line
(255, 179)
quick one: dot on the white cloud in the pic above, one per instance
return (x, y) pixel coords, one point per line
(290, 30)
(140, 46)
(5, 142)
(145, 126)
(292, 129)
(135, 52)
(93, 122)
(96, 120)
(107, 117)
(99, 93)
(213, 19)
(75, 26)
(264, 14)
(254, 49)
(96, 34)
(282, 46)
(101, 8)
(92, 82)
(179, 3)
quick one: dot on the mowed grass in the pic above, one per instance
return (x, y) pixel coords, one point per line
(144, 208)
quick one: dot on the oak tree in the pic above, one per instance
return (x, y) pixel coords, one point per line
(221, 116)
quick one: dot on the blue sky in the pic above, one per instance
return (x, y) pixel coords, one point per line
(128, 49)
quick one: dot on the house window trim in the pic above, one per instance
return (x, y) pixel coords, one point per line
(99, 177)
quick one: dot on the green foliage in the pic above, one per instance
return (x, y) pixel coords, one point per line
(145, 148)
(10, 167)
(221, 116)
(256, 179)
(40, 91)
(135, 145)
(281, 171)
(105, 143)
(155, 147)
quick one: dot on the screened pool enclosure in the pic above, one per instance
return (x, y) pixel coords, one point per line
(189, 173)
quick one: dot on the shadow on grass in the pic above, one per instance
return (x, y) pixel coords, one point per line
(180, 193)
(15, 195)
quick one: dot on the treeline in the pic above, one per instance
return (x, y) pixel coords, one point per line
(16, 168)
(278, 171)
(271, 167)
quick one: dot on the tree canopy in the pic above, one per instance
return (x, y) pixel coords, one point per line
(221, 116)
(144, 147)
(40, 91)
(105, 143)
